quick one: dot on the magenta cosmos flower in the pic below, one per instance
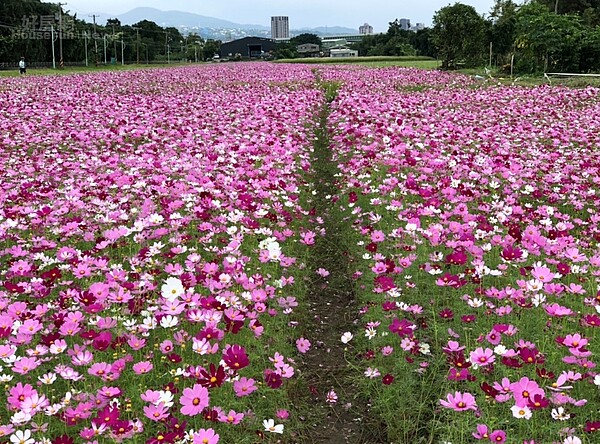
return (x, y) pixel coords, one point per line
(459, 402)
(194, 400)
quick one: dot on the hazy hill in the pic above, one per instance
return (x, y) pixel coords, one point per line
(180, 19)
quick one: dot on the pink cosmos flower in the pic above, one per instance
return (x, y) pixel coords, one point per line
(25, 364)
(575, 341)
(498, 436)
(307, 238)
(331, 397)
(377, 236)
(542, 274)
(231, 418)
(142, 367)
(156, 412)
(452, 347)
(152, 396)
(205, 436)
(303, 345)
(244, 386)
(459, 402)
(482, 357)
(34, 403)
(194, 400)
(282, 414)
(482, 432)
(558, 310)
(524, 390)
(322, 272)
(20, 268)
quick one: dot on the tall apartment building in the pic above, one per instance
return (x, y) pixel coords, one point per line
(405, 24)
(365, 29)
(280, 27)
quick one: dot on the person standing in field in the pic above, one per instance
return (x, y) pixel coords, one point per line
(22, 66)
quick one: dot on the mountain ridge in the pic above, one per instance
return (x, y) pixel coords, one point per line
(182, 19)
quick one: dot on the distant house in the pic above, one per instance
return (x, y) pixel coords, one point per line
(247, 47)
(308, 50)
(342, 52)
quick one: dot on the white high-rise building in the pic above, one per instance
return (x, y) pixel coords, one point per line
(365, 29)
(280, 27)
(405, 24)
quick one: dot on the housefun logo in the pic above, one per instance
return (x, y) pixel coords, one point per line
(45, 27)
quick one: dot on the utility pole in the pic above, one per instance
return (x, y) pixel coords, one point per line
(85, 45)
(113, 24)
(137, 31)
(61, 61)
(95, 40)
(122, 51)
(167, 46)
(53, 56)
(105, 49)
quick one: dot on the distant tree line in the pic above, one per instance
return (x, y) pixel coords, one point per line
(536, 36)
(31, 28)
(527, 37)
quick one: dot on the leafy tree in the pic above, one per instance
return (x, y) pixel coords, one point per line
(545, 40)
(395, 42)
(458, 34)
(589, 54)
(153, 40)
(11, 20)
(211, 47)
(194, 44)
(501, 31)
(285, 50)
(113, 24)
(306, 38)
(588, 10)
(423, 43)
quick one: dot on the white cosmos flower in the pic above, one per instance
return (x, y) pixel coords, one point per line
(500, 349)
(165, 397)
(560, 414)
(521, 412)
(347, 337)
(172, 289)
(370, 333)
(47, 378)
(20, 418)
(169, 321)
(22, 437)
(270, 426)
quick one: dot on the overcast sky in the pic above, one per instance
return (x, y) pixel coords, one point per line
(302, 13)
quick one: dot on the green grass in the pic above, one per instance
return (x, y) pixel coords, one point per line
(375, 61)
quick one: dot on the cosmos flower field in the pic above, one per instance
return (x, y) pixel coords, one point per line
(157, 230)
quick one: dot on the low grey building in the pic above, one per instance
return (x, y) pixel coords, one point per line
(308, 50)
(247, 47)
